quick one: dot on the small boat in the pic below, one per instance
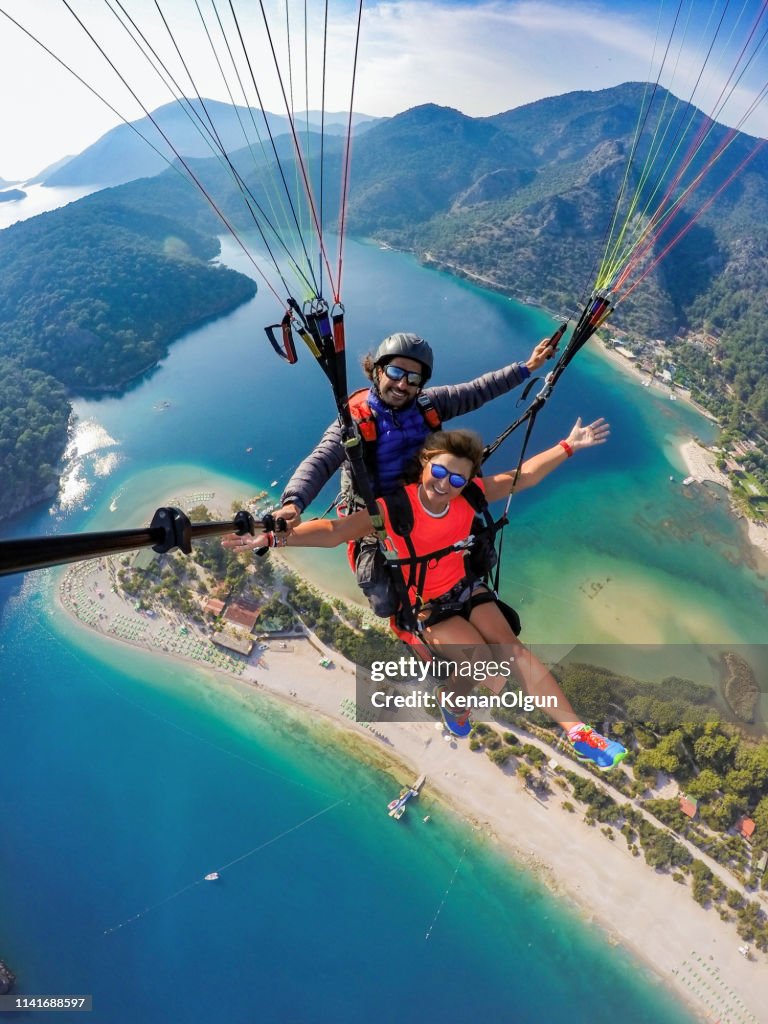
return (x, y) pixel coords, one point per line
(688, 481)
(212, 877)
(273, 484)
(248, 450)
(426, 818)
(396, 807)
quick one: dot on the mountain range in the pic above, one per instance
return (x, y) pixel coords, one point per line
(147, 146)
(522, 201)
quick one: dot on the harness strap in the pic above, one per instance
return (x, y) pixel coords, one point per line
(363, 415)
(412, 570)
(365, 418)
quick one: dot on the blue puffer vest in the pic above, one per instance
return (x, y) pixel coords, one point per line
(400, 434)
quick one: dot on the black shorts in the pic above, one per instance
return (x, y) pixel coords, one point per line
(461, 600)
(465, 596)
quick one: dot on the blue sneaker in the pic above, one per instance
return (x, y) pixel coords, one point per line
(589, 745)
(458, 724)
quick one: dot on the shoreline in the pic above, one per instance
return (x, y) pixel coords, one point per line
(698, 460)
(628, 366)
(664, 928)
(701, 465)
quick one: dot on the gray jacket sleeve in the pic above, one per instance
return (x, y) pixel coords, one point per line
(457, 399)
(316, 470)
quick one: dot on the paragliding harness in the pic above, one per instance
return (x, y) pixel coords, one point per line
(376, 570)
(367, 557)
(365, 418)
(487, 552)
(322, 330)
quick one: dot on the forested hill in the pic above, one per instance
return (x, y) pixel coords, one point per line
(34, 413)
(90, 296)
(524, 199)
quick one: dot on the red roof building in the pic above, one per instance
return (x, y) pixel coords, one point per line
(243, 613)
(745, 827)
(213, 606)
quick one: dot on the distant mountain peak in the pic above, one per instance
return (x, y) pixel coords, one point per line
(122, 154)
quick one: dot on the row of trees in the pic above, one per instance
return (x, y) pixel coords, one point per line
(360, 646)
(663, 851)
(672, 728)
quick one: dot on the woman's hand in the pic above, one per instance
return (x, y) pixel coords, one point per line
(589, 436)
(291, 515)
(246, 542)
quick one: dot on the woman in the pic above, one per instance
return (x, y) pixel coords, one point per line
(457, 610)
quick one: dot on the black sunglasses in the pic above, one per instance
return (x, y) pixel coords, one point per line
(440, 473)
(414, 378)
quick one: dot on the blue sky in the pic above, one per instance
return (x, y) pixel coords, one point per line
(480, 57)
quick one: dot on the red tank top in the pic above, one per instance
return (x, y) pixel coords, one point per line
(432, 534)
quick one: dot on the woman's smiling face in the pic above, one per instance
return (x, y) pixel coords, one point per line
(439, 491)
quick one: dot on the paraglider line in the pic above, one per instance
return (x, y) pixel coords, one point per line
(445, 896)
(225, 867)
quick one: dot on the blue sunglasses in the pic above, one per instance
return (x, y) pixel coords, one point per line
(440, 473)
(414, 378)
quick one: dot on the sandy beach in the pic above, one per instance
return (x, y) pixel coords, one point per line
(691, 950)
(656, 385)
(701, 464)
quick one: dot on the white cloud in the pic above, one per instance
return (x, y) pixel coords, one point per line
(478, 57)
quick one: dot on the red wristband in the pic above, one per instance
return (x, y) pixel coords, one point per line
(567, 447)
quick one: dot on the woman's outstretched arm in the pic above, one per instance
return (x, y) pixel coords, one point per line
(317, 533)
(535, 469)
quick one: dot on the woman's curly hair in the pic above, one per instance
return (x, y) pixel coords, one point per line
(464, 444)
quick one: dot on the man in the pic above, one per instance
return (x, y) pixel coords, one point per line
(397, 414)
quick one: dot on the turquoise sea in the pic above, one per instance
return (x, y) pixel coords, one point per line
(126, 778)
